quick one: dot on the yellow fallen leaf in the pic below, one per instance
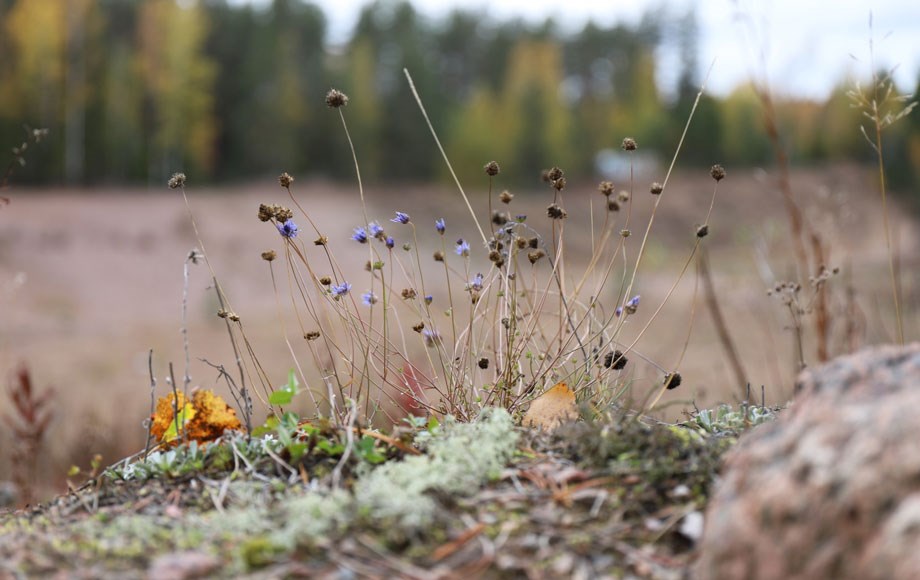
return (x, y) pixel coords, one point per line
(553, 408)
(204, 418)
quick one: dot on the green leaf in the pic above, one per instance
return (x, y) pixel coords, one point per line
(285, 394)
(269, 426)
(297, 450)
(366, 450)
(185, 415)
(282, 397)
(330, 448)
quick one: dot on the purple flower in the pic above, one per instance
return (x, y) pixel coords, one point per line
(360, 235)
(428, 299)
(521, 217)
(401, 218)
(369, 298)
(375, 230)
(390, 242)
(288, 229)
(340, 290)
(440, 225)
(463, 247)
(618, 311)
(432, 338)
(632, 305)
(476, 282)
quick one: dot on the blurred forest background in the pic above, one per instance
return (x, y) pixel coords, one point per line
(135, 90)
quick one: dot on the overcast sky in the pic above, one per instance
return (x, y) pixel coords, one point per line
(807, 43)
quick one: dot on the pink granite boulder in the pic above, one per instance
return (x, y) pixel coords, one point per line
(832, 488)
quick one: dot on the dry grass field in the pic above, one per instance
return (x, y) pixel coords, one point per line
(91, 280)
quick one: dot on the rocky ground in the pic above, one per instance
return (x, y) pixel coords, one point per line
(620, 496)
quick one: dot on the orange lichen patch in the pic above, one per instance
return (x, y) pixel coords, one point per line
(553, 408)
(204, 418)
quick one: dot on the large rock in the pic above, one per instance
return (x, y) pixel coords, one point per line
(832, 488)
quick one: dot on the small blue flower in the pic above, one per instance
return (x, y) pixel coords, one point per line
(521, 217)
(440, 225)
(429, 299)
(288, 229)
(375, 230)
(432, 338)
(463, 247)
(401, 218)
(476, 282)
(369, 298)
(632, 305)
(360, 235)
(390, 242)
(618, 311)
(340, 290)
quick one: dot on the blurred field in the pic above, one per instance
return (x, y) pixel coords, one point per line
(91, 280)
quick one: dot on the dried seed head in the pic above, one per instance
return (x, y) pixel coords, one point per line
(553, 211)
(606, 188)
(285, 179)
(321, 241)
(336, 99)
(506, 196)
(559, 184)
(623, 196)
(554, 174)
(483, 363)
(521, 243)
(615, 360)
(325, 280)
(495, 256)
(500, 218)
(625, 233)
(535, 255)
(418, 327)
(283, 214)
(176, 181)
(492, 168)
(269, 255)
(629, 144)
(702, 231)
(233, 316)
(409, 293)
(613, 205)
(221, 313)
(672, 380)
(312, 335)
(717, 172)
(656, 188)
(439, 256)
(534, 242)
(266, 212)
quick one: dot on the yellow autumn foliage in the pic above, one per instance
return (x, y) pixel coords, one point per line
(204, 418)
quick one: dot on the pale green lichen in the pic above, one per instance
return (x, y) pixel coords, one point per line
(311, 516)
(459, 458)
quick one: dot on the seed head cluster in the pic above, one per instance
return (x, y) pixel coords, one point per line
(336, 99)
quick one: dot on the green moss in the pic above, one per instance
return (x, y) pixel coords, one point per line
(260, 552)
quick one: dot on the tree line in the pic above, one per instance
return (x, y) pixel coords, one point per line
(133, 90)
